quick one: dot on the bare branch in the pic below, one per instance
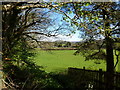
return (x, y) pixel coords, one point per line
(8, 84)
(25, 82)
(116, 31)
(48, 35)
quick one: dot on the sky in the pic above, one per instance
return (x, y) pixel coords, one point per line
(81, 0)
(74, 37)
(59, 21)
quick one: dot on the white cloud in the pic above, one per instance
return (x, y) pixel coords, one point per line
(71, 38)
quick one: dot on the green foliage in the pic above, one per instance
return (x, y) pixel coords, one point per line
(23, 72)
(29, 77)
(20, 70)
(117, 46)
(68, 44)
(58, 44)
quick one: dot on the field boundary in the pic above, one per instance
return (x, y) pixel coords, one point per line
(58, 49)
(96, 78)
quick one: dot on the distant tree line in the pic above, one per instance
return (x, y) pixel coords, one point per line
(62, 44)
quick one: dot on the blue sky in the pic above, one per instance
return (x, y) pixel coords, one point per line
(63, 35)
(59, 20)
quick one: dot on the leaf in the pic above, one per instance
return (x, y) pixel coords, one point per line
(82, 13)
(87, 4)
(70, 12)
(76, 24)
(64, 18)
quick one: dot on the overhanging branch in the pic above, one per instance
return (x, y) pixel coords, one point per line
(48, 35)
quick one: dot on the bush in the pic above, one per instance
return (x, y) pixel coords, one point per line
(28, 77)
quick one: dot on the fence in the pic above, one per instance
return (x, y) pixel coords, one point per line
(91, 78)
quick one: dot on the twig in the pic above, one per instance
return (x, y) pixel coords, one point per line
(25, 82)
(7, 84)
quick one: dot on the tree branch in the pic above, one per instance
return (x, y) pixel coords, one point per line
(48, 35)
(117, 58)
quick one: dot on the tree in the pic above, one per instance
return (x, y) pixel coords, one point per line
(58, 43)
(25, 20)
(20, 23)
(94, 19)
(98, 21)
(68, 44)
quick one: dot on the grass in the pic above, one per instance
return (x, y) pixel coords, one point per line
(58, 60)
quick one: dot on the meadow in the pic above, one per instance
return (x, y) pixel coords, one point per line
(60, 60)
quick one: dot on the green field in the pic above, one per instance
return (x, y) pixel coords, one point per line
(58, 60)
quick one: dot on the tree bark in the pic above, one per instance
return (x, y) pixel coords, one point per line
(110, 64)
(109, 80)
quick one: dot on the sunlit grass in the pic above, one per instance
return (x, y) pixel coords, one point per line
(58, 60)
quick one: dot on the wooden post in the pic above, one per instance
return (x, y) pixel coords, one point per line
(84, 68)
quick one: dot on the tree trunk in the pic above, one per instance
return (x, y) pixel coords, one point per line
(109, 52)
(110, 64)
